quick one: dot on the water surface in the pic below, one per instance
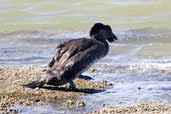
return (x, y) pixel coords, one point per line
(64, 15)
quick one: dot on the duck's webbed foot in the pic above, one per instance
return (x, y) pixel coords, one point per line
(35, 84)
(72, 85)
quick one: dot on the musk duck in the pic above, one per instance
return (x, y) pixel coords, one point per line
(74, 57)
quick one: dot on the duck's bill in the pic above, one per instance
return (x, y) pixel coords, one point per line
(112, 38)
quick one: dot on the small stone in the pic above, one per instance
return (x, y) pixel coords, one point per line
(13, 111)
(81, 104)
(139, 88)
(37, 100)
(20, 102)
(70, 103)
(37, 88)
(163, 71)
(110, 84)
(104, 81)
(93, 70)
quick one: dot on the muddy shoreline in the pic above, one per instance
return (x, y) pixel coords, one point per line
(147, 108)
(12, 92)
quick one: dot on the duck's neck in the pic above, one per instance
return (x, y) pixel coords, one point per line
(102, 40)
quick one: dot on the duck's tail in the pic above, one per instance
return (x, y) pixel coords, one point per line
(35, 84)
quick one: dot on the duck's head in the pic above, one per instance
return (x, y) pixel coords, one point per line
(102, 32)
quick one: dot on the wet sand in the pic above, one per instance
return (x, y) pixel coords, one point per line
(150, 108)
(12, 92)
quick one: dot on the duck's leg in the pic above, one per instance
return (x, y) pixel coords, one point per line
(51, 62)
(72, 85)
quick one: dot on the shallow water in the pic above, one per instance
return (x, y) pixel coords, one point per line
(138, 64)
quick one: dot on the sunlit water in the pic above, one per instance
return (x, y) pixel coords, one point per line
(138, 64)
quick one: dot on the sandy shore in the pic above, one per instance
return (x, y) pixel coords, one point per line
(12, 92)
(150, 108)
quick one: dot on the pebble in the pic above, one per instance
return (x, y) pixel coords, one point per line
(93, 70)
(81, 104)
(139, 88)
(70, 103)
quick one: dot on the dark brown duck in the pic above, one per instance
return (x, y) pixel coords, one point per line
(76, 56)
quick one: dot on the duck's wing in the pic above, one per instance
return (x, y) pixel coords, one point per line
(70, 48)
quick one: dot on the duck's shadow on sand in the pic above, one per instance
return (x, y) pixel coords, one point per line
(82, 90)
(65, 89)
(85, 77)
